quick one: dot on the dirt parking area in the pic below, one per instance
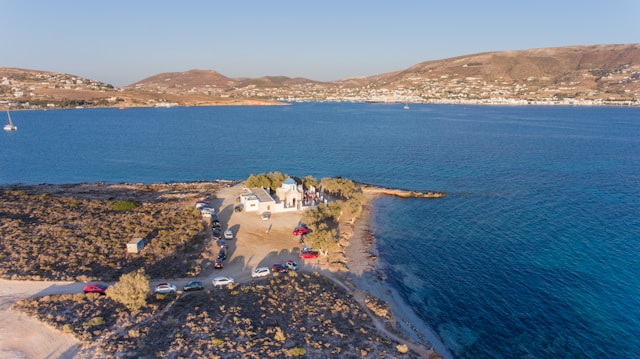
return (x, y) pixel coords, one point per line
(257, 243)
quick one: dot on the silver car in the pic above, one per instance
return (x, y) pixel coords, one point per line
(222, 281)
(164, 288)
(260, 272)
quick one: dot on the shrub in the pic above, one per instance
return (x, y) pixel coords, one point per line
(131, 290)
(217, 341)
(95, 321)
(279, 336)
(297, 352)
(402, 348)
(67, 328)
(124, 205)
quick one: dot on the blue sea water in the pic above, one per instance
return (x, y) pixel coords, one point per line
(533, 253)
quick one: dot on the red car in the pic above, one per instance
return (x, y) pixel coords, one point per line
(96, 288)
(308, 254)
(279, 268)
(300, 231)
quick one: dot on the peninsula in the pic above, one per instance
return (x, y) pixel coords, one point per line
(81, 235)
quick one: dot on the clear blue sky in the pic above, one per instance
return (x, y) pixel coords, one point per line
(124, 41)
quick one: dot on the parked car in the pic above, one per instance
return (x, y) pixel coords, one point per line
(164, 288)
(278, 267)
(222, 255)
(260, 272)
(228, 234)
(193, 285)
(200, 204)
(215, 224)
(291, 265)
(265, 216)
(215, 232)
(299, 231)
(308, 254)
(222, 281)
(218, 264)
(207, 210)
(95, 288)
(239, 207)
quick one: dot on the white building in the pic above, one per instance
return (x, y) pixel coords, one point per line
(288, 198)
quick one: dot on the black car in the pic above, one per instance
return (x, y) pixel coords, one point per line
(193, 285)
(222, 255)
(216, 233)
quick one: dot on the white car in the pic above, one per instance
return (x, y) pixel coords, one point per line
(164, 288)
(222, 281)
(208, 210)
(260, 272)
(228, 234)
(265, 216)
(201, 204)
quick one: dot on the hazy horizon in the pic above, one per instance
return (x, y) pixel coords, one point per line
(124, 42)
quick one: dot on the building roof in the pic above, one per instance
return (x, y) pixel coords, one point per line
(289, 181)
(262, 194)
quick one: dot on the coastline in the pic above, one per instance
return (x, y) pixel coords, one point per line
(366, 272)
(364, 278)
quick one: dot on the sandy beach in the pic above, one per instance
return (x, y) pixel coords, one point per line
(257, 243)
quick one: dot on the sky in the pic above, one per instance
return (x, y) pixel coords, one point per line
(121, 42)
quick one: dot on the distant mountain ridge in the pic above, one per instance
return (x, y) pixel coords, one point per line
(595, 74)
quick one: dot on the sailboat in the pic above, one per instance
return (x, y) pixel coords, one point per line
(10, 126)
(406, 105)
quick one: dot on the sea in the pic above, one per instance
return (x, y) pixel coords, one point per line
(533, 253)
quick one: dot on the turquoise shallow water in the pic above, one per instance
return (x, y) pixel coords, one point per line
(533, 254)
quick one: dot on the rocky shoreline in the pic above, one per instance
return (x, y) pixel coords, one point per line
(402, 193)
(363, 279)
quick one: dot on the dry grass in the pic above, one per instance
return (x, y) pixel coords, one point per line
(72, 232)
(305, 315)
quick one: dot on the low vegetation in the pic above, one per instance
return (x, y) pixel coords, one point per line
(324, 220)
(131, 290)
(125, 205)
(80, 232)
(304, 315)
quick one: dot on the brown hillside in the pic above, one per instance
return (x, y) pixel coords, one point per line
(184, 80)
(590, 75)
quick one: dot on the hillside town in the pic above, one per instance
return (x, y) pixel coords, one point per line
(601, 75)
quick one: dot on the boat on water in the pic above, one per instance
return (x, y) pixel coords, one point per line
(10, 126)
(406, 105)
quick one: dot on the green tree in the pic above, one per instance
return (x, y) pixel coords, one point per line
(309, 181)
(132, 290)
(340, 187)
(258, 181)
(276, 178)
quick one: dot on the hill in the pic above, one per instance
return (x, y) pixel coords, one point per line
(588, 75)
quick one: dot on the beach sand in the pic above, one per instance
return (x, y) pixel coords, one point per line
(258, 243)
